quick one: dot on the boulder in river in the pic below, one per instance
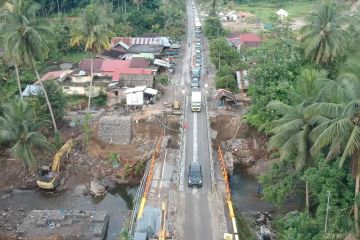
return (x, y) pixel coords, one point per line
(97, 188)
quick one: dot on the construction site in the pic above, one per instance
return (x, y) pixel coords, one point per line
(125, 173)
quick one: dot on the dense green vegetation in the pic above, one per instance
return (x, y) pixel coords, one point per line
(39, 35)
(225, 58)
(305, 96)
(19, 129)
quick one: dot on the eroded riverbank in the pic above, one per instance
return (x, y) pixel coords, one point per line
(15, 205)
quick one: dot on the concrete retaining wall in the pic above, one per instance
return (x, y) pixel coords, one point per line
(115, 129)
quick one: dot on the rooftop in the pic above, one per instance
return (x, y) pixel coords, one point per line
(138, 62)
(85, 65)
(129, 41)
(143, 48)
(245, 37)
(115, 68)
(54, 75)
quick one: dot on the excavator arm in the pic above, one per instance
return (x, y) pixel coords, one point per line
(66, 149)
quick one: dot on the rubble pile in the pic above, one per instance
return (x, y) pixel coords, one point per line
(263, 226)
(67, 224)
(10, 219)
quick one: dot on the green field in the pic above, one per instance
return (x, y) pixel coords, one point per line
(265, 10)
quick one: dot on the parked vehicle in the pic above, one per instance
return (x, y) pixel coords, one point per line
(195, 175)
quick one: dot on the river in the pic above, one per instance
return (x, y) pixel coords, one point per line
(117, 203)
(247, 201)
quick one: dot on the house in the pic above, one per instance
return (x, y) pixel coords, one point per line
(136, 96)
(225, 98)
(130, 41)
(148, 56)
(140, 95)
(133, 80)
(115, 94)
(157, 50)
(139, 62)
(79, 82)
(117, 68)
(55, 75)
(118, 51)
(82, 74)
(231, 16)
(248, 40)
(31, 90)
(282, 13)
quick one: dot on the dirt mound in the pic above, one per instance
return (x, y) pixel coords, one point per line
(247, 146)
(13, 174)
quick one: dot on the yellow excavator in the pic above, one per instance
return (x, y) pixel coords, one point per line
(51, 177)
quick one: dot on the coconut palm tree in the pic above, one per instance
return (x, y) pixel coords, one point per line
(291, 132)
(338, 123)
(92, 31)
(138, 3)
(325, 36)
(6, 7)
(18, 128)
(23, 35)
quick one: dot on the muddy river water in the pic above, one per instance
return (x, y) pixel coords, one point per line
(116, 203)
(244, 189)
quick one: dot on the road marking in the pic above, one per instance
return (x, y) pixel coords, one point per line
(194, 190)
(195, 143)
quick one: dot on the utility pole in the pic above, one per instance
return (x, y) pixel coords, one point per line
(327, 212)
(219, 60)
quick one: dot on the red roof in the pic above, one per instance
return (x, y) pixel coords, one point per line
(52, 75)
(137, 62)
(115, 68)
(126, 40)
(246, 37)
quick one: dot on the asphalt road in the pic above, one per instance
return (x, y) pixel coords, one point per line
(198, 220)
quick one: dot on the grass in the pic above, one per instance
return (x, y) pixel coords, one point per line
(266, 10)
(75, 100)
(75, 57)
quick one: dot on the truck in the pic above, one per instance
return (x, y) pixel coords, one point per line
(196, 101)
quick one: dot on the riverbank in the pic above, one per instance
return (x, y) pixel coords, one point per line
(15, 206)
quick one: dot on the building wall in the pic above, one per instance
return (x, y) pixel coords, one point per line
(80, 79)
(135, 83)
(115, 97)
(80, 90)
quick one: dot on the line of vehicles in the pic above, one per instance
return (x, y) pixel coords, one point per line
(196, 64)
(195, 174)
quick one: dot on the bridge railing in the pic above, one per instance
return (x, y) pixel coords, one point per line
(144, 188)
(228, 192)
